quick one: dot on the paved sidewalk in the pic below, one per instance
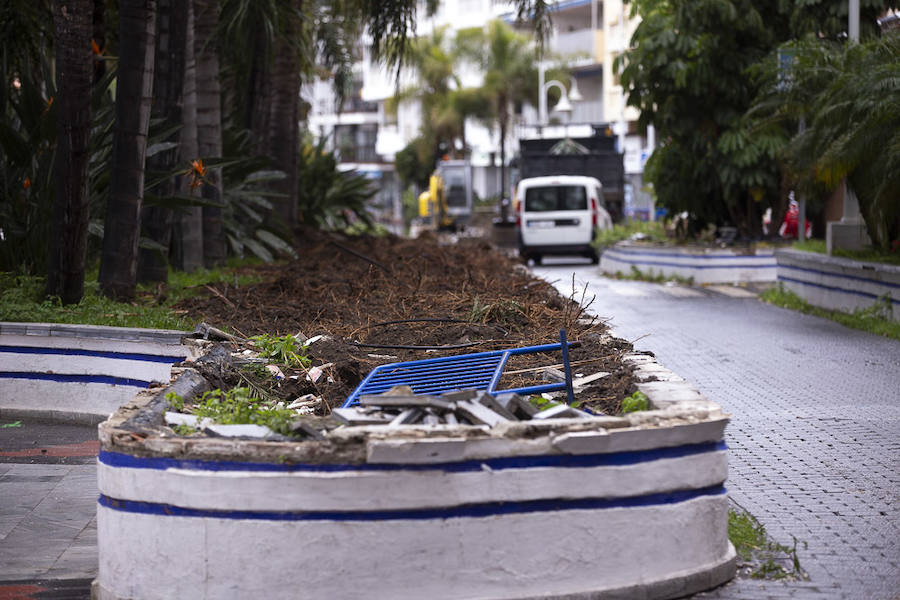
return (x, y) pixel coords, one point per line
(814, 440)
(48, 527)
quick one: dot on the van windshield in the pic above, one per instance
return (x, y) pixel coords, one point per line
(555, 197)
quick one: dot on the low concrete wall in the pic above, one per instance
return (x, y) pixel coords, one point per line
(80, 372)
(607, 507)
(838, 283)
(704, 265)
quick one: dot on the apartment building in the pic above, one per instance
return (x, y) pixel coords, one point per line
(586, 38)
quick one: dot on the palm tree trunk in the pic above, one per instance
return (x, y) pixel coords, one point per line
(168, 86)
(209, 126)
(187, 243)
(72, 25)
(134, 93)
(284, 134)
(504, 206)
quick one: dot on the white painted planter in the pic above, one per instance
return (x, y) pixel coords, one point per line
(838, 283)
(704, 265)
(81, 372)
(620, 507)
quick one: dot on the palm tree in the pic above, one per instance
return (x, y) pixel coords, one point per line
(74, 71)
(510, 75)
(137, 42)
(187, 246)
(168, 87)
(209, 126)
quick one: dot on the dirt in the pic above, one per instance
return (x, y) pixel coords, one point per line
(387, 299)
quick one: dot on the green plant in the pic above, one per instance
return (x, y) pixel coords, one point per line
(635, 402)
(285, 349)
(875, 319)
(185, 429)
(753, 546)
(237, 406)
(867, 255)
(175, 401)
(501, 311)
(646, 231)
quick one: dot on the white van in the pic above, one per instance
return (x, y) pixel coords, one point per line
(558, 215)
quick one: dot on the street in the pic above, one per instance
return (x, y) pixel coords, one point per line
(814, 440)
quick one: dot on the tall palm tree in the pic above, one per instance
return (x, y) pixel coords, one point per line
(187, 247)
(510, 74)
(137, 42)
(209, 125)
(74, 72)
(168, 87)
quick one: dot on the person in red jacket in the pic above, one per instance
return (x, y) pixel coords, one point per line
(789, 226)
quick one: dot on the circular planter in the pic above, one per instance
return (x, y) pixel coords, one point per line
(703, 265)
(630, 506)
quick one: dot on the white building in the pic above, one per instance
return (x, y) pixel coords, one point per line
(587, 36)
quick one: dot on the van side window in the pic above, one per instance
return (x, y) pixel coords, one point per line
(555, 197)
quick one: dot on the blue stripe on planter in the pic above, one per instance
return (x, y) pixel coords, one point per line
(660, 263)
(61, 378)
(833, 288)
(117, 459)
(841, 275)
(94, 353)
(689, 255)
(465, 511)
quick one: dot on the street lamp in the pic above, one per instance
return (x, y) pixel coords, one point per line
(564, 104)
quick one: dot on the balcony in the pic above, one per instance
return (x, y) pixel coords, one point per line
(574, 42)
(587, 111)
(359, 154)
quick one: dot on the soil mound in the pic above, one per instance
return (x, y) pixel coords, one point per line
(387, 299)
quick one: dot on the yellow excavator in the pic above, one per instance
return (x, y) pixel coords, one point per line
(433, 205)
(447, 203)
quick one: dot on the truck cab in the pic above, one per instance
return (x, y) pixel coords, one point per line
(558, 215)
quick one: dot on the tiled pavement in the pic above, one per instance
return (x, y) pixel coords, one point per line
(814, 439)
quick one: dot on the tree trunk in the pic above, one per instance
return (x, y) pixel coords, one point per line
(187, 243)
(504, 206)
(99, 37)
(283, 138)
(168, 86)
(74, 66)
(134, 91)
(259, 94)
(209, 126)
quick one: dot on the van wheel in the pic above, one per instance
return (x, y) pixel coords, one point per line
(536, 258)
(594, 256)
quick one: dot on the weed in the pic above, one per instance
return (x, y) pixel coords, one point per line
(650, 231)
(185, 429)
(636, 402)
(501, 311)
(654, 277)
(175, 401)
(285, 349)
(874, 319)
(238, 406)
(766, 559)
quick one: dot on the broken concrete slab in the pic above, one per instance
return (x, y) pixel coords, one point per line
(479, 414)
(561, 411)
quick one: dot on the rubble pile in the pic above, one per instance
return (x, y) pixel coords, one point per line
(400, 406)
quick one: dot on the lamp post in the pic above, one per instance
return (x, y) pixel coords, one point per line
(564, 104)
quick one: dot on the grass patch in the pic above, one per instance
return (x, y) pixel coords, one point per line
(653, 277)
(875, 319)
(762, 558)
(868, 255)
(22, 299)
(645, 231)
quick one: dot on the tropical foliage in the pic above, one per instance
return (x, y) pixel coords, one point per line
(694, 70)
(848, 97)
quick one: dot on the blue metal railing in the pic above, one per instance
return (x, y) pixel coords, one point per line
(436, 376)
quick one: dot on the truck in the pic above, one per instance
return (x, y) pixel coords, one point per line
(594, 156)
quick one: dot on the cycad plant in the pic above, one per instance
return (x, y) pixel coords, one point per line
(847, 97)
